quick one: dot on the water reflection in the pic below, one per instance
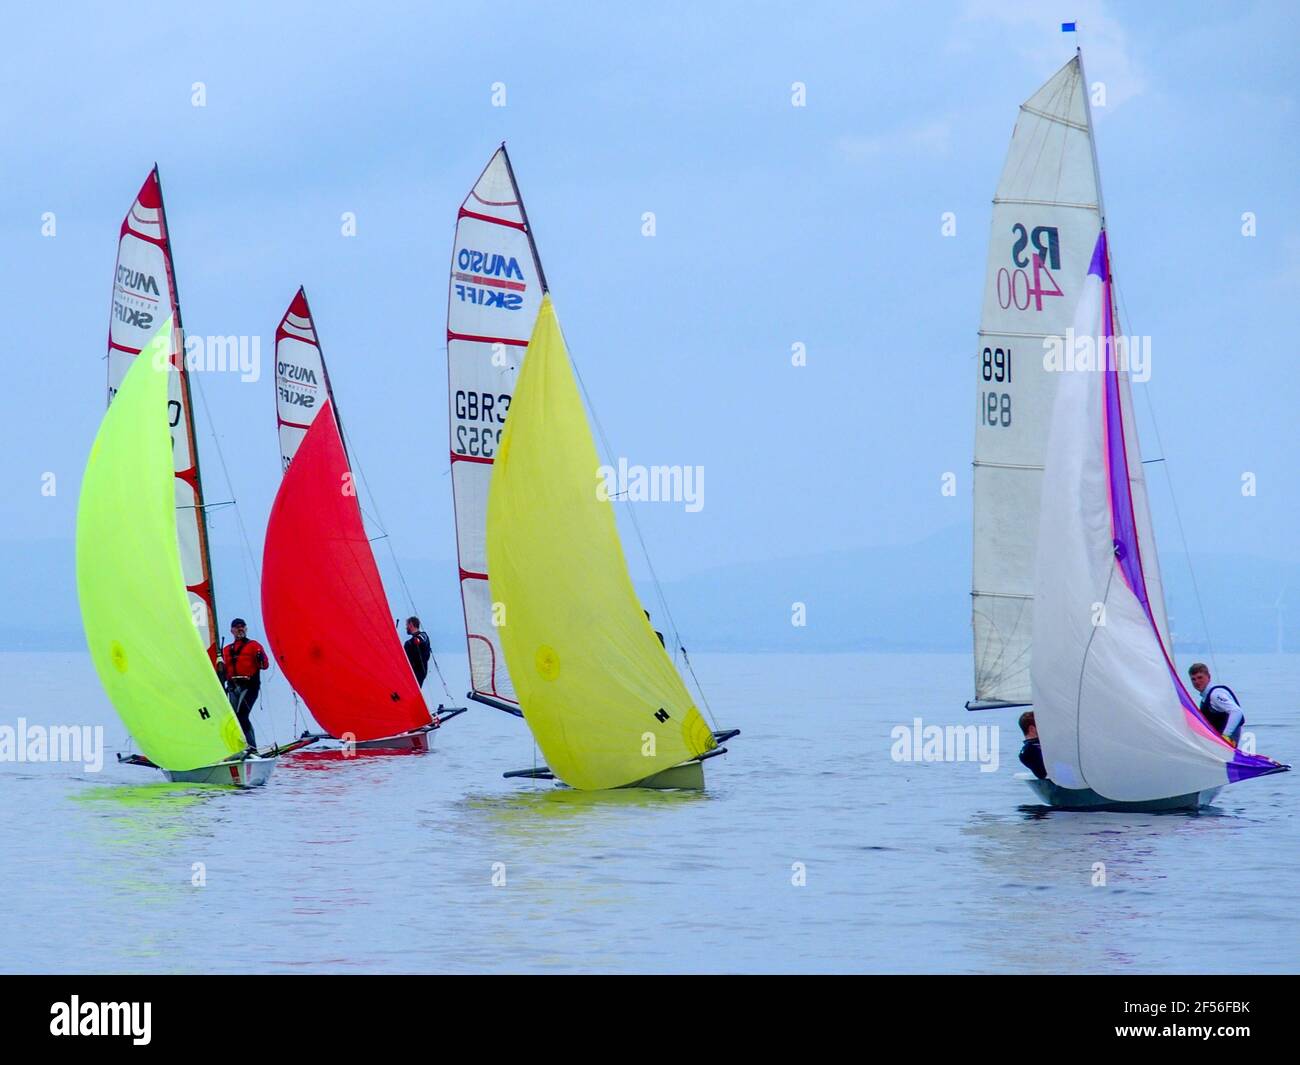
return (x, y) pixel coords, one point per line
(1088, 887)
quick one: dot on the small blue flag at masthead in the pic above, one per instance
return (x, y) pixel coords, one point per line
(1067, 27)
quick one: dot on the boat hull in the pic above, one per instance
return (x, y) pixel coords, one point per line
(249, 773)
(415, 740)
(687, 776)
(1086, 799)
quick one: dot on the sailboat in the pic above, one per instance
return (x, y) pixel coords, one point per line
(603, 699)
(150, 654)
(154, 680)
(323, 604)
(1068, 606)
(496, 295)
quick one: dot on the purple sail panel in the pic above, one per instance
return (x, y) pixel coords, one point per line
(1128, 550)
(1128, 553)
(1244, 766)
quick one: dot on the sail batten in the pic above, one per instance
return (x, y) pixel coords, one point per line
(494, 292)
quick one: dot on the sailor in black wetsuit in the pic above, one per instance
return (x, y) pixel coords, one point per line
(1031, 751)
(418, 649)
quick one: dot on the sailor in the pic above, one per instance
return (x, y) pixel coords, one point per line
(418, 649)
(1219, 705)
(1031, 751)
(240, 668)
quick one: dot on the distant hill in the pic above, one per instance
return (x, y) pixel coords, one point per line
(911, 597)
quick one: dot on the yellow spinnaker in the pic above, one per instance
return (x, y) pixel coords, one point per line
(134, 607)
(602, 697)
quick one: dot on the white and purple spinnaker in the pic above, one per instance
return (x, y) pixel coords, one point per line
(1112, 713)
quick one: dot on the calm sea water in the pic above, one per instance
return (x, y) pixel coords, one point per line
(388, 863)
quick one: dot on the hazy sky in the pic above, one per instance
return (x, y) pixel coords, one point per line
(776, 225)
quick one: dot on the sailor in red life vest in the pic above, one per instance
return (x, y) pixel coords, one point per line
(240, 668)
(1219, 704)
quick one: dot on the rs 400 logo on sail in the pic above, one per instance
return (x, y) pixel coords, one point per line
(1035, 253)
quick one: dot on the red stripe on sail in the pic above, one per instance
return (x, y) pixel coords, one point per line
(465, 213)
(486, 340)
(326, 616)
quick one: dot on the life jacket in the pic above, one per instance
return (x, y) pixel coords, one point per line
(1217, 718)
(244, 658)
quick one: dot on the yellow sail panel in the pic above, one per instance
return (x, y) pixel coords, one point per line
(602, 697)
(142, 637)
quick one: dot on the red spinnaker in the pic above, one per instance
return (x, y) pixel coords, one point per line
(326, 615)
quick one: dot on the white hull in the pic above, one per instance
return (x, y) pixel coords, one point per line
(249, 773)
(1086, 799)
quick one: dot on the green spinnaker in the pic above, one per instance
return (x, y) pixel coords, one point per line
(134, 605)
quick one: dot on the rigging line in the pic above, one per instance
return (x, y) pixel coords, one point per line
(248, 560)
(230, 485)
(379, 520)
(355, 462)
(645, 551)
(1173, 497)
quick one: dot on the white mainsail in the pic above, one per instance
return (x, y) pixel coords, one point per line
(494, 294)
(144, 296)
(302, 383)
(1046, 216)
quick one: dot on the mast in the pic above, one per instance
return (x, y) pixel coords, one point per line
(178, 357)
(1137, 472)
(1092, 139)
(523, 213)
